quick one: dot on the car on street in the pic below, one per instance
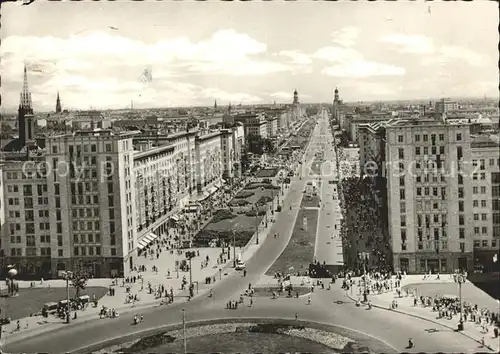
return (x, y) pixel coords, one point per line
(240, 265)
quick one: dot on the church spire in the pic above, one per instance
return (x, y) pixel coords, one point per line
(58, 103)
(25, 101)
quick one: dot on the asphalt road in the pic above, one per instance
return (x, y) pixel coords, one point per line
(391, 328)
(328, 242)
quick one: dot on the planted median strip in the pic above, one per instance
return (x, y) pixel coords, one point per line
(299, 252)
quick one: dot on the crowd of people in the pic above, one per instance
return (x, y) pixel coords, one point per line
(364, 224)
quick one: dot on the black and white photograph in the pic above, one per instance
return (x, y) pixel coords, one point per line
(249, 177)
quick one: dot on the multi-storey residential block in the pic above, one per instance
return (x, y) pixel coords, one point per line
(232, 144)
(485, 201)
(272, 126)
(431, 187)
(254, 123)
(72, 207)
(208, 159)
(445, 105)
(94, 199)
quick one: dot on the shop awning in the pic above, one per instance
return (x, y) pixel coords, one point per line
(191, 208)
(146, 240)
(212, 190)
(203, 196)
(175, 217)
(141, 244)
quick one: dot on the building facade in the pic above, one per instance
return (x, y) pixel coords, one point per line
(232, 145)
(431, 189)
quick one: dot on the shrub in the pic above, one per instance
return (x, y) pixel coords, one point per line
(263, 200)
(253, 213)
(244, 194)
(241, 202)
(222, 214)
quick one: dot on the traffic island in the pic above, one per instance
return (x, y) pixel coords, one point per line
(254, 336)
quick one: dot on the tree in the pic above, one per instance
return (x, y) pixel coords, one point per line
(245, 160)
(269, 146)
(79, 279)
(5, 130)
(312, 110)
(255, 144)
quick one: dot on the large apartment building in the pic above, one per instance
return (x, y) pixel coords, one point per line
(72, 206)
(441, 195)
(96, 198)
(232, 144)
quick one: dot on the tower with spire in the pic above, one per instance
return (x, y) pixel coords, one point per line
(336, 99)
(295, 97)
(58, 103)
(25, 118)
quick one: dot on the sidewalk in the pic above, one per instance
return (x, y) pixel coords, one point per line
(405, 307)
(165, 262)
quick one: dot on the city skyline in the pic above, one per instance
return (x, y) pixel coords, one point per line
(99, 55)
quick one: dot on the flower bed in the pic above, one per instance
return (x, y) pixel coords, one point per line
(244, 194)
(235, 337)
(222, 214)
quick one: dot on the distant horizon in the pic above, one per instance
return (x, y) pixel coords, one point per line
(220, 106)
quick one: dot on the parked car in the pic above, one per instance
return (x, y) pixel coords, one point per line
(240, 265)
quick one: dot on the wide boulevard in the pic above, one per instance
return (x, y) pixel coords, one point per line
(328, 306)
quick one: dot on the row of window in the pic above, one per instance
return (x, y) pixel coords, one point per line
(435, 191)
(425, 150)
(86, 226)
(425, 138)
(90, 251)
(88, 212)
(28, 202)
(480, 230)
(485, 243)
(27, 189)
(87, 238)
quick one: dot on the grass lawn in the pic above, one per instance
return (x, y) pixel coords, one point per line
(267, 173)
(299, 252)
(240, 223)
(225, 343)
(31, 301)
(470, 293)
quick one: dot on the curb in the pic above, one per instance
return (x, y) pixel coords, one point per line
(431, 321)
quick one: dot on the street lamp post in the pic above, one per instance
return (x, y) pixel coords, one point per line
(184, 330)
(190, 272)
(67, 276)
(460, 281)
(256, 224)
(234, 249)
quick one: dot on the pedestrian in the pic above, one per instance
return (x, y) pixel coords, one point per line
(309, 300)
(296, 316)
(251, 302)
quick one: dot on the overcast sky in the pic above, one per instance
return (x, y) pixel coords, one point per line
(251, 52)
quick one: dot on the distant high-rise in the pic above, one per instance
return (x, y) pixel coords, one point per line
(295, 97)
(336, 98)
(58, 103)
